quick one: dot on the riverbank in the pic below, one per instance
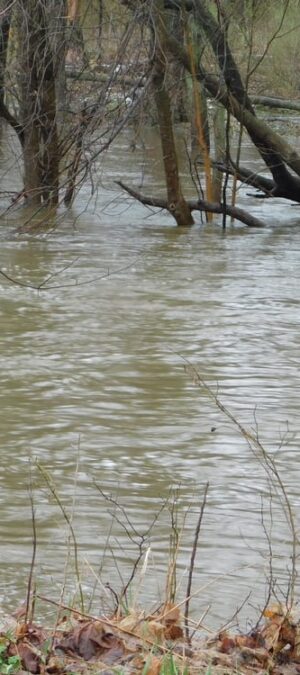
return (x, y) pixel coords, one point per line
(163, 643)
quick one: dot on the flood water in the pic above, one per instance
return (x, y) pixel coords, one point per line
(94, 387)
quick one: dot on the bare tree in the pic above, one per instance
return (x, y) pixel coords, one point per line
(227, 87)
(63, 129)
(38, 101)
(177, 205)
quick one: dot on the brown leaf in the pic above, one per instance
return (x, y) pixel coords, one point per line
(227, 643)
(114, 654)
(30, 659)
(21, 630)
(271, 633)
(152, 666)
(249, 641)
(34, 633)
(288, 633)
(289, 669)
(257, 639)
(152, 630)
(171, 614)
(260, 655)
(89, 639)
(130, 622)
(55, 665)
(275, 612)
(173, 632)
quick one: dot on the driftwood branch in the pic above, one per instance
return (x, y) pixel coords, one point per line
(272, 102)
(248, 177)
(199, 205)
(103, 78)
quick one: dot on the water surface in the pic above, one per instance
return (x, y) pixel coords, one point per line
(94, 387)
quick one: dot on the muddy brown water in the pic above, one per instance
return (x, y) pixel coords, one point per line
(94, 387)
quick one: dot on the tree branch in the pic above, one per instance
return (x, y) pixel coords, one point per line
(199, 205)
(272, 102)
(246, 176)
(274, 150)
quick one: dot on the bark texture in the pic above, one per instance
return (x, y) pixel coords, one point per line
(196, 205)
(229, 90)
(38, 105)
(176, 202)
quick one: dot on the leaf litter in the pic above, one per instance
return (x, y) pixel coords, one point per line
(138, 644)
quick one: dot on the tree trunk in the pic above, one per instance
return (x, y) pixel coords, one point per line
(5, 10)
(176, 202)
(5, 20)
(76, 47)
(38, 105)
(274, 150)
(59, 31)
(197, 95)
(220, 151)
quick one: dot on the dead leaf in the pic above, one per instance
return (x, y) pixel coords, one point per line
(88, 640)
(275, 611)
(153, 630)
(173, 632)
(290, 669)
(35, 634)
(260, 655)
(227, 643)
(152, 666)
(29, 657)
(114, 654)
(130, 622)
(21, 630)
(55, 665)
(288, 633)
(171, 614)
(271, 633)
(252, 641)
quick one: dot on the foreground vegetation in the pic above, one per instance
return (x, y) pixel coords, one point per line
(132, 643)
(124, 638)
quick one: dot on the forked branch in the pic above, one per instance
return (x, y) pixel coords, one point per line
(199, 205)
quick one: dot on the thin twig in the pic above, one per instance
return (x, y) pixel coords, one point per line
(29, 610)
(68, 520)
(265, 460)
(192, 563)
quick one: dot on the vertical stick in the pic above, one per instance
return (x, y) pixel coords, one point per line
(192, 563)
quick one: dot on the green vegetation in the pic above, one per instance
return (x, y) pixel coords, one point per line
(8, 664)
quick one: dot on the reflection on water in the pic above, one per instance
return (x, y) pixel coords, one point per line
(94, 374)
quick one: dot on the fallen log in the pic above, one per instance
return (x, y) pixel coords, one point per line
(103, 78)
(272, 102)
(195, 205)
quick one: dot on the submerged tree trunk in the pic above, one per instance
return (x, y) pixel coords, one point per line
(220, 151)
(228, 88)
(76, 47)
(38, 105)
(5, 10)
(176, 202)
(58, 28)
(5, 22)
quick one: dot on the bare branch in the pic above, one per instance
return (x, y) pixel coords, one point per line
(200, 205)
